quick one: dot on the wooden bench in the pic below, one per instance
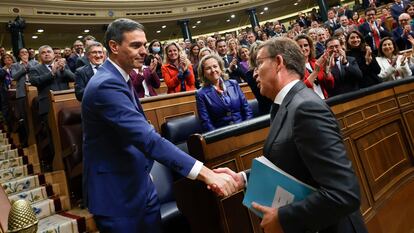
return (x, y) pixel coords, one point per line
(378, 129)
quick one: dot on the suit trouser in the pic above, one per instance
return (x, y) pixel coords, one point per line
(150, 223)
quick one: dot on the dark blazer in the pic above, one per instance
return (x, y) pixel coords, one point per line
(82, 61)
(366, 31)
(151, 80)
(397, 10)
(119, 147)
(402, 41)
(212, 111)
(19, 72)
(305, 141)
(41, 77)
(236, 74)
(82, 76)
(370, 72)
(347, 79)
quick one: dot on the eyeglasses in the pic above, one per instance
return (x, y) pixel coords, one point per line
(403, 20)
(259, 61)
(370, 14)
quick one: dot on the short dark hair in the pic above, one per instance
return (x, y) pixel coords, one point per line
(220, 40)
(292, 55)
(117, 28)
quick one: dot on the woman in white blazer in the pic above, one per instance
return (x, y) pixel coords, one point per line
(393, 66)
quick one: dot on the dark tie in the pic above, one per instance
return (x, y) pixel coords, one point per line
(273, 110)
(96, 67)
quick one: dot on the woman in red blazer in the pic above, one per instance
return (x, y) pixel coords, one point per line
(316, 77)
(177, 70)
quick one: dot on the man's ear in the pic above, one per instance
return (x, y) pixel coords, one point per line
(279, 61)
(113, 46)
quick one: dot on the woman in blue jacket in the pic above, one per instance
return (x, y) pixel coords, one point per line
(220, 102)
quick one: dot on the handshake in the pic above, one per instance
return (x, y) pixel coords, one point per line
(222, 181)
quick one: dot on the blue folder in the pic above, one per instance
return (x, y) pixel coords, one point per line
(270, 186)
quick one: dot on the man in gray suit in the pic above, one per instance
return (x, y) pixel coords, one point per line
(20, 73)
(305, 141)
(51, 74)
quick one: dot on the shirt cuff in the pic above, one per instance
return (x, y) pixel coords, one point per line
(244, 178)
(195, 170)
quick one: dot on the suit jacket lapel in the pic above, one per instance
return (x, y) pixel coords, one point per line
(281, 117)
(89, 72)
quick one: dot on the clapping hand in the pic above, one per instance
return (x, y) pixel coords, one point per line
(368, 55)
(270, 222)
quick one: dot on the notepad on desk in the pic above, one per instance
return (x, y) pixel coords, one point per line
(270, 186)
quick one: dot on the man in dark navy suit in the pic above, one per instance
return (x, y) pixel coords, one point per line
(95, 54)
(119, 146)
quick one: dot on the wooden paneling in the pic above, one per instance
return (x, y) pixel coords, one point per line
(58, 101)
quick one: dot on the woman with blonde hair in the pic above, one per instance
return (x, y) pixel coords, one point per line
(177, 69)
(220, 101)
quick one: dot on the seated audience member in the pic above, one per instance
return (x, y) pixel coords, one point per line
(312, 33)
(193, 57)
(177, 70)
(398, 8)
(345, 27)
(343, 68)
(220, 101)
(320, 45)
(401, 33)
(315, 76)
(5, 84)
(409, 9)
(356, 20)
(357, 48)
(155, 49)
(77, 54)
(393, 66)
(232, 46)
(211, 43)
(243, 54)
(201, 44)
(231, 63)
(372, 31)
(95, 54)
(387, 20)
(251, 75)
(203, 52)
(20, 74)
(332, 21)
(144, 80)
(51, 74)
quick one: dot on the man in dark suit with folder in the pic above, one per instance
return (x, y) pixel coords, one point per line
(305, 141)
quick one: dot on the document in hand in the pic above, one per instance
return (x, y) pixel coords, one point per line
(270, 186)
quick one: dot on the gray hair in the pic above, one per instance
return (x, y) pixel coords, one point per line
(45, 47)
(117, 28)
(292, 55)
(92, 44)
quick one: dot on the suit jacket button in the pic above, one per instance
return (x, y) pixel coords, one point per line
(231, 122)
(228, 113)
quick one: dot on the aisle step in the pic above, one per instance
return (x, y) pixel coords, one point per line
(13, 173)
